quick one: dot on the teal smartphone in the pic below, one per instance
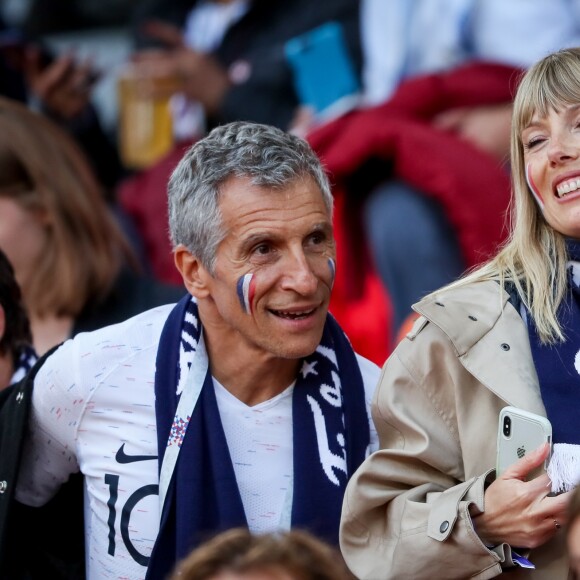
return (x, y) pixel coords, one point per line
(323, 71)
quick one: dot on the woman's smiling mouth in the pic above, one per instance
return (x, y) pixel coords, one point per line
(566, 187)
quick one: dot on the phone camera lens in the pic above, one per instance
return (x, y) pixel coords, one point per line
(507, 426)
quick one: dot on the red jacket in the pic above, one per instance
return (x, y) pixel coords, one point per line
(397, 139)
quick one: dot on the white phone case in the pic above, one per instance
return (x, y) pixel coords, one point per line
(519, 433)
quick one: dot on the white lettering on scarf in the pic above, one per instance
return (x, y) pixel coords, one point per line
(332, 394)
(328, 459)
(185, 359)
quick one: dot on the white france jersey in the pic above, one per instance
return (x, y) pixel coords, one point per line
(93, 409)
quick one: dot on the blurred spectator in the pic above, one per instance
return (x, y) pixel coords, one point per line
(73, 264)
(77, 273)
(400, 41)
(239, 555)
(16, 353)
(415, 260)
(41, 17)
(60, 87)
(229, 54)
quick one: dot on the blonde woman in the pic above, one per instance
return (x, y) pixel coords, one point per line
(428, 504)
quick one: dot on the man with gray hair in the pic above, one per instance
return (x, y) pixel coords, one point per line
(242, 405)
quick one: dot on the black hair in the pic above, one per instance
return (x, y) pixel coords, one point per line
(17, 333)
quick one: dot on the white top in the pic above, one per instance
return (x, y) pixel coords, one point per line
(404, 38)
(207, 23)
(205, 26)
(93, 408)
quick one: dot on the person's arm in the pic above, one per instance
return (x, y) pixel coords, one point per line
(49, 455)
(487, 127)
(198, 75)
(409, 511)
(397, 503)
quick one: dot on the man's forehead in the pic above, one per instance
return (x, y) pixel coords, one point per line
(252, 213)
(272, 230)
(246, 189)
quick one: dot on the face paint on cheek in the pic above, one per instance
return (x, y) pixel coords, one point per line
(332, 267)
(533, 187)
(245, 288)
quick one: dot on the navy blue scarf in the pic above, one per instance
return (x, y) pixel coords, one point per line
(558, 369)
(555, 364)
(203, 497)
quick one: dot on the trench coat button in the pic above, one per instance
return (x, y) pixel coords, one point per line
(3, 486)
(444, 526)
(505, 346)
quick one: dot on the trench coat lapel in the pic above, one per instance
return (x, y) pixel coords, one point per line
(491, 340)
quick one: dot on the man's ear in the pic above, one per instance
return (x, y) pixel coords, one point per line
(193, 272)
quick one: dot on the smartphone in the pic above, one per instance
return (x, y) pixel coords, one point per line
(520, 432)
(323, 71)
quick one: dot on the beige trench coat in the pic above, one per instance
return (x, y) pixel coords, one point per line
(436, 409)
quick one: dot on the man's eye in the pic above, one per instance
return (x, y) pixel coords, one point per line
(262, 249)
(317, 238)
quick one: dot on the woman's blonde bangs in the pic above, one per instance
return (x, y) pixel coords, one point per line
(551, 84)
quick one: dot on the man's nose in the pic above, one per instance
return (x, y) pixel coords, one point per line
(298, 274)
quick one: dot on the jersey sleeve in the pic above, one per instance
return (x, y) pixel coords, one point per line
(58, 402)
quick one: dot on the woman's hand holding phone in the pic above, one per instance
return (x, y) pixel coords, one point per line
(518, 512)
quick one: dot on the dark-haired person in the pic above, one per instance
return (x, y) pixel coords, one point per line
(16, 353)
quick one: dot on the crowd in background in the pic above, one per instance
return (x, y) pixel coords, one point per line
(418, 158)
(424, 187)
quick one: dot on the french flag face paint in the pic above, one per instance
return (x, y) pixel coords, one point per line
(533, 187)
(245, 288)
(332, 267)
